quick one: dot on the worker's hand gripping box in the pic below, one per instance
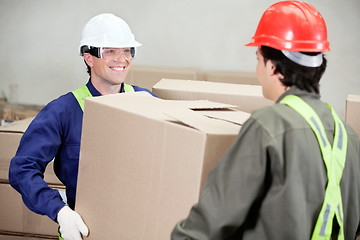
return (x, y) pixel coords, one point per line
(352, 115)
(246, 97)
(144, 160)
(15, 218)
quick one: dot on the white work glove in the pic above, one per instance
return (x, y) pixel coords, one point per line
(71, 224)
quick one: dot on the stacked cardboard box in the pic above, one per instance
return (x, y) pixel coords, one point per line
(16, 220)
(10, 112)
(148, 76)
(11, 236)
(236, 77)
(246, 97)
(143, 161)
(352, 115)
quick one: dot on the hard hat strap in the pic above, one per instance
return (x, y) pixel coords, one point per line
(92, 50)
(304, 59)
(98, 52)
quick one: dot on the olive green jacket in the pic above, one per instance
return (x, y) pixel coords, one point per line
(271, 183)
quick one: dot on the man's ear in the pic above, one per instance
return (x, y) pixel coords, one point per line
(88, 59)
(270, 68)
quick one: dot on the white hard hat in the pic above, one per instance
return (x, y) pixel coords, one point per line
(107, 30)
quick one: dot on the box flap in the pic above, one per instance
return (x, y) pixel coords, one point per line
(202, 104)
(167, 110)
(236, 117)
(203, 123)
(17, 126)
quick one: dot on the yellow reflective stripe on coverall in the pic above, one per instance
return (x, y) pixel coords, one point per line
(83, 92)
(334, 158)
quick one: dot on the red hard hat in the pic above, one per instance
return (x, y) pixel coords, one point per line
(292, 26)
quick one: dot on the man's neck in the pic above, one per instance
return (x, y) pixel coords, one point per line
(106, 88)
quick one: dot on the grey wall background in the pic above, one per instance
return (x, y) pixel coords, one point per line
(39, 41)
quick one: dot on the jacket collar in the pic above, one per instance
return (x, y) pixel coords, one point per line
(92, 89)
(298, 92)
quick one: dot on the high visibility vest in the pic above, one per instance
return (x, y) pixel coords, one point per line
(334, 158)
(83, 92)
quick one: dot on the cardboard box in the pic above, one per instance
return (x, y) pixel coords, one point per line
(148, 76)
(25, 237)
(143, 162)
(10, 136)
(235, 77)
(14, 111)
(10, 236)
(352, 115)
(16, 217)
(246, 97)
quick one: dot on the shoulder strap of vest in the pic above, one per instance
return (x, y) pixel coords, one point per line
(83, 92)
(300, 106)
(80, 94)
(128, 88)
(334, 158)
(310, 116)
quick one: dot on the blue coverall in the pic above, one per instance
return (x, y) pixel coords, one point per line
(54, 133)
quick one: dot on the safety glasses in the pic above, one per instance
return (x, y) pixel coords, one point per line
(112, 54)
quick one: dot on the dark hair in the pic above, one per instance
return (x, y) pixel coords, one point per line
(305, 78)
(88, 69)
(93, 51)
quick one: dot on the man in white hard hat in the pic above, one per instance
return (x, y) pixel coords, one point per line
(108, 47)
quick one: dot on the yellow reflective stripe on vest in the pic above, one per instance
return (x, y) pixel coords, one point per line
(128, 88)
(83, 92)
(334, 158)
(59, 234)
(80, 94)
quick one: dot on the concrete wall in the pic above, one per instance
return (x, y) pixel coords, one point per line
(39, 41)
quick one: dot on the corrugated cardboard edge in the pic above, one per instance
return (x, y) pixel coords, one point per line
(202, 104)
(236, 117)
(352, 112)
(207, 87)
(24, 236)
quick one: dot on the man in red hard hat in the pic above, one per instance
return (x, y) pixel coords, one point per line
(293, 172)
